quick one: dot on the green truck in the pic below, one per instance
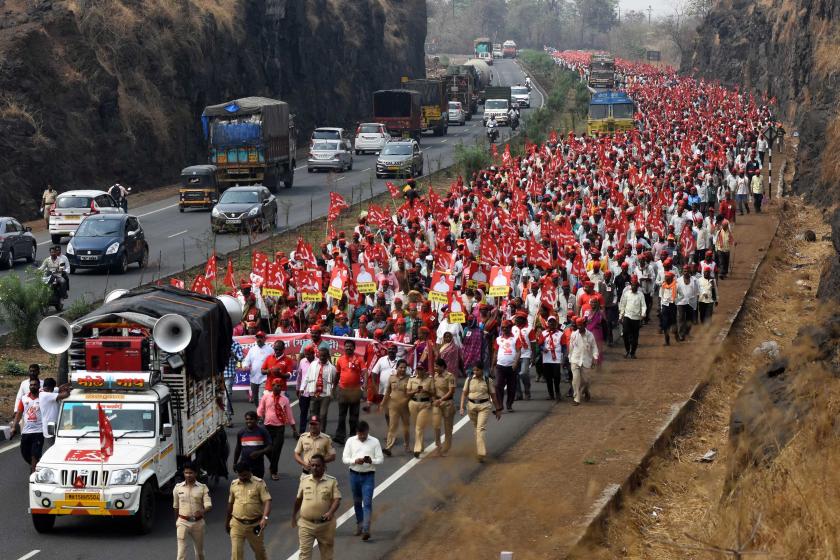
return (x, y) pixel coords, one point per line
(434, 104)
(461, 85)
(251, 141)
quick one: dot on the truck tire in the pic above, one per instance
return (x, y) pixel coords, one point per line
(270, 179)
(289, 179)
(43, 522)
(144, 519)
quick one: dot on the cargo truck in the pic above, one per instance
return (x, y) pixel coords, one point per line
(399, 110)
(152, 362)
(433, 104)
(509, 49)
(498, 104)
(252, 141)
(483, 50)
(483, 77)
(459, 83)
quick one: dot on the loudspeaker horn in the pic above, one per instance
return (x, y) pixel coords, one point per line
(55, 334)
(233, 308)
(172, 333)
(115, 294)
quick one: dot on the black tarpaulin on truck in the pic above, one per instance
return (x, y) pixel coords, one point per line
(430, 90)
(212, 330)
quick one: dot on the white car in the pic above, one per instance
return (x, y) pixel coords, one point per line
(70, 208)
(371, 137)
(520, 97)
(457, 114)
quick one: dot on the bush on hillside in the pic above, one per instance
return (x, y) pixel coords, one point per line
(471, 159)
(23, 302)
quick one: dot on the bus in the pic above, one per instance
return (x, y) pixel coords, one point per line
(610, 112)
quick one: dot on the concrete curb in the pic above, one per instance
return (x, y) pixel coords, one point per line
(610, 500)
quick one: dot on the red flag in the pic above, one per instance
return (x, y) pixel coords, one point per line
(506, 159)
(106, 434)
(259, 267)
(201, 285)
(494, 151)
(210, 267)
(539, 255)
(378, 216)
(229, 281)
(337, 204)
(176, 283)
(392, 188)
(304, 253)
(578, 268)
(687, 242)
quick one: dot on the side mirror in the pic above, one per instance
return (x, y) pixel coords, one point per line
(51, 429)
(166, 432)
(72, 234)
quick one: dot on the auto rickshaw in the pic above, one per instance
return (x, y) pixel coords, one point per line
(199, 188)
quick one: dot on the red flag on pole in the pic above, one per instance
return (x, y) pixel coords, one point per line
(229, 280)
(337, 204)
(687, 242)
(392, 188)
(210, 268)
(106, 434)
(201, 285)
(177, 283)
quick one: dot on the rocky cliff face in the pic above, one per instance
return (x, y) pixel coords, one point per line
(98, 91)
(790, 50)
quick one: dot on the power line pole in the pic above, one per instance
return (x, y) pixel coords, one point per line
(649, 11)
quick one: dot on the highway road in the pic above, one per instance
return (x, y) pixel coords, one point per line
(407, 488)
(179, 241)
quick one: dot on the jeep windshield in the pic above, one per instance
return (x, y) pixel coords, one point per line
(397, 150)
(131, 419)
(496, 104)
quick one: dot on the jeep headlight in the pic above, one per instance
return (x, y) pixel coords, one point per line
(44, 475)
(112, 248)
(254, 210)
(123, 477)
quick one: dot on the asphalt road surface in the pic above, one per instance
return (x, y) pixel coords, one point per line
(406, 488)
(178, 241)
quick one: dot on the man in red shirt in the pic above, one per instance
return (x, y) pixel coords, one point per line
(350, 370)
(277, 366)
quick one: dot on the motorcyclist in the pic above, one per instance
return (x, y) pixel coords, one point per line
(119, 193)
(528, 83)
(513, 118)
(492, 128)
(57, 262)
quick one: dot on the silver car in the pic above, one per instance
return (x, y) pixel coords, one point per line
(457, 115)
(335, 155)
(371, 137)
(520, 97)
(400, 158)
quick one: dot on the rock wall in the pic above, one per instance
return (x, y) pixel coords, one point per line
(790, 50)
(98, 91)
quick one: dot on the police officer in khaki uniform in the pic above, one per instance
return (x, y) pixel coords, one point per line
(443, 410)
(318, 498)
(249, 506)
(311, 443)
(47, 200)
(480, 392)
(396, 403)
(191, 501)
(420, 390)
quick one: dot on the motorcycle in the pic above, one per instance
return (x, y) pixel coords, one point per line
(514, 123)
(492, 134)
(56, 282)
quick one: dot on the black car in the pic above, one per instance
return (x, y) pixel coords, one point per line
(251, 208)
(108, 240)
(16, 242)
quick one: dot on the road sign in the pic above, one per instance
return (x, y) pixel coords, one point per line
(654, 56)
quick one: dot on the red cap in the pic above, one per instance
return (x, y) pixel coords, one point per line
(625, 265)
(580, 322)
(634, 279)
(260, 334)
(667, 262)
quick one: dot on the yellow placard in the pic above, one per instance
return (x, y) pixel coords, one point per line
(334, 292)
(312, 297)
(438, 297)
(272, 292)
(366, 287)
(497, 291)
(457, 318)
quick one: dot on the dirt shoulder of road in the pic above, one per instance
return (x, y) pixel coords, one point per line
(537, 498)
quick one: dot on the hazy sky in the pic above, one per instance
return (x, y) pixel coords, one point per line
(660, 7)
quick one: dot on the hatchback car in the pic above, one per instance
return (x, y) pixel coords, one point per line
(457, 115)
(16, 242)
(400, 158)
(252, 208)
(70, 208)
(371, 137)
(108, 241)
(520, 97)
(330, 133)
(332, 155)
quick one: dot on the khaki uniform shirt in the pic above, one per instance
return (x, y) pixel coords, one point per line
(397, 388)
(49, 197)
(477, 389)
(317, 496)
(189, 499)
(309, 445)
(443, 383)
(248, 498)
(427, 385)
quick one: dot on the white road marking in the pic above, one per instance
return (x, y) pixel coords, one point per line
(158, 210)
(299, 167)
(29, 555)
(350, 513)
(177, 234)
(443, 141)
(10, 447)
(368, 169)
(341, 178)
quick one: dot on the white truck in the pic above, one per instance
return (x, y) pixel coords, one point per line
(497, 104)
(152, 360)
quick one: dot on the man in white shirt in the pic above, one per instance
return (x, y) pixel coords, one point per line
(34, 372)
(532, 303)
(383, 369)
(32, 435)
(253, 362)
(524, 336)
(445, 326)
(631, 310)
(49, 401)
(686, 297)
(362, 453)
(552, 357)
(583, 352)
(506, 362)
(319, 382)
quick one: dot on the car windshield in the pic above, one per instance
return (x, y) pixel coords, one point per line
(129, 419)
(623, 111)
(397, 150)
(332, 146)
(454, 106)
(98, 227)
(239, 197)
(496, 104)
(598, 111)
(519, 90)
(370, 129)
(73, 202)
(328, 134)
